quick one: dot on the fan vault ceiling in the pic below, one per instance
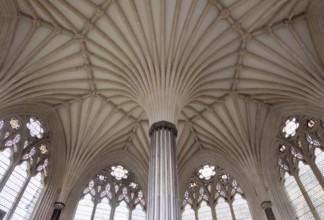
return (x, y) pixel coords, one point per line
(112, 68)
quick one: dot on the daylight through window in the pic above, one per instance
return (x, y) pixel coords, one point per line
(212, 193)
(301, 165)
(113, 193)
(23, 165)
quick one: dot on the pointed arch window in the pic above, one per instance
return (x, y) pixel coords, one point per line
(23, 165)
(112, 193)
(301, 164)
(211, 193)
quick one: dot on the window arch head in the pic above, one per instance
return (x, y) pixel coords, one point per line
(116, 189)
(212, 191)
(300, 160)
(23, 162)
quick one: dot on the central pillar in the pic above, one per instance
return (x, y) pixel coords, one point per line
(163, 192)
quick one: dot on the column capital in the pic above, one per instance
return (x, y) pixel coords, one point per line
(59, 205)
(266, 204)
(163, 125)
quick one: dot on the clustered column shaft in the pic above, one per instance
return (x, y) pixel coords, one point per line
(163, 194)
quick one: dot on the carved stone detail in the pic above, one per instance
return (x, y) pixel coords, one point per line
(163, 124)
(59, 205)
(266, 204)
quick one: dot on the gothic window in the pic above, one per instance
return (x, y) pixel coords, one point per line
(113, 193)
(211, 193)
(23, 165)
(301, 164)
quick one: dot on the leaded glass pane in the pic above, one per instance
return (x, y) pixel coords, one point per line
(27, 202)
(13, 187)
(119, 172)
(204, 212)
(138, 213)
(290, 128)
(207, 172)
(103, 210)
(312, 187)
(188, 213)
(84, 209)
(35, 128)
(223, 211)
(121, 212)
(296, 198)
(4, 161)
(241, 208)
(21, 144)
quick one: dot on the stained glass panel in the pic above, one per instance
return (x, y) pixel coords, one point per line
(119, 172)
(24, 180)
(116, 186)
(35, 128)
(13, 186)
(290, 127)
(207, 172)
(221, 187)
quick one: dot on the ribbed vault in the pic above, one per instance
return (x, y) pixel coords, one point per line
(111, 68)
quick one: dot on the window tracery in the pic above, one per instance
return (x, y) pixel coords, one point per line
(112, 193)
(216, 194)
(23, 165)
(301, 165)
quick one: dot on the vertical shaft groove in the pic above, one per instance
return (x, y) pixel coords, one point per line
(163, 196)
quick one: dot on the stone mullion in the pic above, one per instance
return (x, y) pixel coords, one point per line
(94, 209)
(130, 214)
(113, 200)
(213, 208)
(196, 213)
(131, 203)
(211, 200)
(113, 208)
(194, 205)
(232, 210)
